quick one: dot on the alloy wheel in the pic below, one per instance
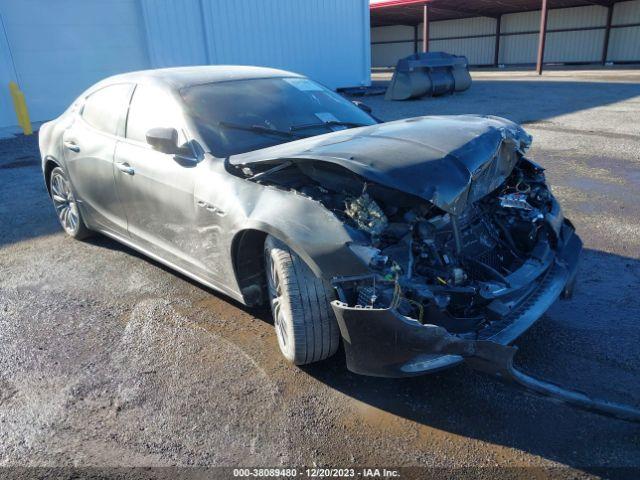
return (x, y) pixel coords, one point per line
(276, 300)
(64, 203)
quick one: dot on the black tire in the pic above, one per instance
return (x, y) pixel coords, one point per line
(64, 202)
(305, 325)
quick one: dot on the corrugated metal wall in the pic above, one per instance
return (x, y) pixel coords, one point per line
(575, 46)
(397, 42)
(478, 50)
(7, 74)
(60, 48)
(175, 32)
(519, 37)
(394, 42)
(55, 50)
(327, 40)
(624, 44)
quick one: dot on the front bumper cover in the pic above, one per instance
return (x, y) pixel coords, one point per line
(384, 343)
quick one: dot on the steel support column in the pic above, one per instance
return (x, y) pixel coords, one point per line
(425, 27)
(543, 36)
(605, 45)
(496, 51)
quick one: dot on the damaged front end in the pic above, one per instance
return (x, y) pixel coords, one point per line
(457, 267)
(461, 237)
(440, 280)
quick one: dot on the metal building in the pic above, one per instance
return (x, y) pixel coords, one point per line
(491, 33)
(54, 50)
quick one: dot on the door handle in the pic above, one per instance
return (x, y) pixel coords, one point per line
(73, 146)
(124, 167)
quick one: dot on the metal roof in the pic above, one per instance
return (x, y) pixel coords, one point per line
(409, 12)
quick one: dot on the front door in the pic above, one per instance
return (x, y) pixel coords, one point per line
(157, 189)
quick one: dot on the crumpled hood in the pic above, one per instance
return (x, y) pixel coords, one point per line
(450, 161)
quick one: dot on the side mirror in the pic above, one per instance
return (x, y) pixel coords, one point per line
(163, 139)
(363, 106)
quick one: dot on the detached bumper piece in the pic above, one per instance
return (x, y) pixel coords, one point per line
(384, 343)
(381, 342)
(501, 366)
(433, 73)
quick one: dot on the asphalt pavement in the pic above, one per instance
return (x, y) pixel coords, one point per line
(109, 359)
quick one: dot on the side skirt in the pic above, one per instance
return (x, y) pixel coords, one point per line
(221, 289)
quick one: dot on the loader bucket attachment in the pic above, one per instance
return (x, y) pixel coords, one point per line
(433, 73)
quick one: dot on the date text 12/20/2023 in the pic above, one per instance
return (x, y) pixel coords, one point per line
(316, 472)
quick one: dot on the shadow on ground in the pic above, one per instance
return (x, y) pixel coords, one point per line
(590, 343)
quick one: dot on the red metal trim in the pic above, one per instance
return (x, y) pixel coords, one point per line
(393, 3)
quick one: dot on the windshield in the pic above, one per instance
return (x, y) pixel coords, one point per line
(244, 115)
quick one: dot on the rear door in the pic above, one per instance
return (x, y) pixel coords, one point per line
(157, 189)
(89, 145)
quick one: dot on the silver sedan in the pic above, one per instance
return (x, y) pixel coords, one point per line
(412, 241)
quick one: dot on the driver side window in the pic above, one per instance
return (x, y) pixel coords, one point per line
(151, 107)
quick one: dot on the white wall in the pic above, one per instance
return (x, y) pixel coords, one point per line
(479, 51)
(387, 54)
(7, 74)
(56, 49)
(327, 40)
(60, 48)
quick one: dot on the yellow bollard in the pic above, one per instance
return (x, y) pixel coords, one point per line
(20, 105)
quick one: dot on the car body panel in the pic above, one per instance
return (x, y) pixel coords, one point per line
(448, 160)
(92, 175)
(159, 203)
(231, 205)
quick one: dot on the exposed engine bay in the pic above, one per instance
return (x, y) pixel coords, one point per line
(430, 265)
(465, 247)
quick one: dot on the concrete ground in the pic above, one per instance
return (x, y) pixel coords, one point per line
(623, 74)
(109, 359)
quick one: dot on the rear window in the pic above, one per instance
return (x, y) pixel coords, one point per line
(105, 109)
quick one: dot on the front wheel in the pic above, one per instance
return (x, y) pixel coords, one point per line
(66, 206)
(305, 325)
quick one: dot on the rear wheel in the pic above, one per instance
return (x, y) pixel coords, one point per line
(305, 325)
(66, 206)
